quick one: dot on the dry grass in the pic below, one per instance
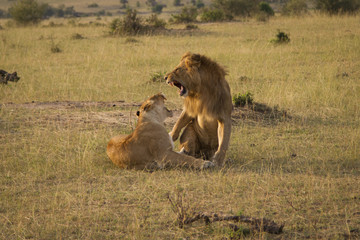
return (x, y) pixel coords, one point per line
(303, 170)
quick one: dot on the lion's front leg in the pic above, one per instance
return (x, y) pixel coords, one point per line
(183, 120)
(224, 132)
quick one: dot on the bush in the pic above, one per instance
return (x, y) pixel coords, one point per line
(233, 8)
(158, 76)
(177, 3)
(93, 5)
(187, 15)
(129, 25)
(157, 8)
(295, 7)
(281, 37)
(338, 6)
(155, 22)
(27, 12)
(212, 15)
(240, 100)
(266, 8)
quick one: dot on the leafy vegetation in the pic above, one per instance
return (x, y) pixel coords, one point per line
(187, 15)
(301, 168)
(266, 8)
(212, 15)
(132, 24)
(295, 7)
(27, 12)
(241, 100)
(281, 37)
(338, 6)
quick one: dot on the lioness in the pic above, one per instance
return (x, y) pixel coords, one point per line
(207, 107)
(150, 146)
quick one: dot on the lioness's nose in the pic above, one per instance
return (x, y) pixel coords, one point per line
(166, 77)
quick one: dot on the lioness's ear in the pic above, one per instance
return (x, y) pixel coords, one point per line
(193, 60)
(148, 106)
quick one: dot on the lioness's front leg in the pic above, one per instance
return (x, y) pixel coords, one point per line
(183, 120)
(224, 131)
(174, 159)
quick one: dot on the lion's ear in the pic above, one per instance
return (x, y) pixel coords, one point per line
(193, 60)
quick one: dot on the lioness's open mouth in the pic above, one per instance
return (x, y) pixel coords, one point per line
(182, 89)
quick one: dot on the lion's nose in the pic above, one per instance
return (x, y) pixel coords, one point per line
(166, 77)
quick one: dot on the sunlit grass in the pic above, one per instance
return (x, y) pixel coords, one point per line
(56, 180)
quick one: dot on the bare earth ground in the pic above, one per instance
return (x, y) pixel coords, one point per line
(122, 113)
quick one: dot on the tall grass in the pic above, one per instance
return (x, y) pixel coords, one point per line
(55, 178)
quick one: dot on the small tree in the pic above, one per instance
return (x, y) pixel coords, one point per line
(266, 8)
(157, 8)
(129, 25)
(27, 12)
(123, 3)
(295, 7)
(177, 3)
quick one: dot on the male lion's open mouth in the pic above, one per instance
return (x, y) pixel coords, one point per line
(182, 90)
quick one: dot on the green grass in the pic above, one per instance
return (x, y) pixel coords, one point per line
(57, 182)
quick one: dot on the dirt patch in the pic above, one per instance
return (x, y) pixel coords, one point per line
(86, 114)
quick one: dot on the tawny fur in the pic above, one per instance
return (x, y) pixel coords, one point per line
(206, 116)
(149, 146)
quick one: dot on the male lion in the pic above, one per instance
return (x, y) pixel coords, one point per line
(150, 146)
(207, 107)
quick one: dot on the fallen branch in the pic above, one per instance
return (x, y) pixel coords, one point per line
(187, 216)
(260, 224)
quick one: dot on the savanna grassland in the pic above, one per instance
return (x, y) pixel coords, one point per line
(297, 163)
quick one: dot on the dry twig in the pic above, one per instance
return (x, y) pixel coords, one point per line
(185, 217)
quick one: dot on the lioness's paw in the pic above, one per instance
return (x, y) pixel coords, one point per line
(207, 165)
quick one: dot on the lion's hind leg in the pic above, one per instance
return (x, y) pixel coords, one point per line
(189, 142)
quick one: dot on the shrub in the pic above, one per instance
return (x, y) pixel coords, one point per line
(123, 3)
(157, 8)
(27, 12)
(191, 26)
(295, 7)
(155, 22)
(199, 4)
(187, 15)
(233, 8)
(338, 6)
(177, 3)
(93, 5)
(55, 48)
(281, 37)
(266, 8)
(212, 15)
(77, 36)
(158, 76)
(129, 25)
(240, 100)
